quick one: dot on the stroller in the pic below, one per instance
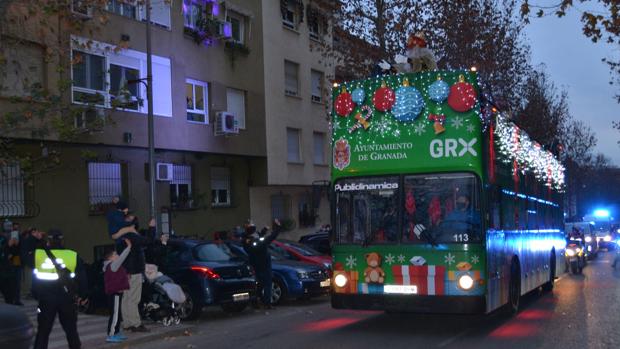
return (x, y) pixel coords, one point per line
(161, 297)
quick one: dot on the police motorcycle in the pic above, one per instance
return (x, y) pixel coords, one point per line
(575, 255)
(616, 264)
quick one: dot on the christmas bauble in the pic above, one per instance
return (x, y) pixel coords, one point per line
(384, 98)
(409, 103)
(358, 96)
(344, 104)
(438, 91)
(462, 96)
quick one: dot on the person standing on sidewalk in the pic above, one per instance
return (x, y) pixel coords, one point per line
(16, 263)
(134, 265)
(256, 245)
(116, 280)
(58, 291)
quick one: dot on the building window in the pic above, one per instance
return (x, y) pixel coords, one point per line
(319, 148)
(105, 182)
(317, 85)
(305, 211)
(197, 103)
(193, 13)
(291, 78)
(280, 207)
(235, 104)
(103, 77)
(292, 145)
(12, 198)
(124, 91)
(220, 186)
(89, 78)
(181, 187)
(289, 15)
(237, 22)
(125, 8)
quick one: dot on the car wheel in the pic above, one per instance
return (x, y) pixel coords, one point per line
(277, 292)
(514, 288)
(191, 308)
(234, 307)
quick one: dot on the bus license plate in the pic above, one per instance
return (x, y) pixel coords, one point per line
(400, 289)
(240, 297)
(326, 283)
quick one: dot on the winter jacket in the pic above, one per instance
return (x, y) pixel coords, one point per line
(134, 263)
(257, 248)
(116, 221)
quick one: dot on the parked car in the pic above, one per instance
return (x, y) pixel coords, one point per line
(209, 275)
(318, 241)
(304, 253)
(291, 279)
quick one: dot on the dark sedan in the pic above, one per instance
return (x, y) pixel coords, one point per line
(209, 275)
(291, 279)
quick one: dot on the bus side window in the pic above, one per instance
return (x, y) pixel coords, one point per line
(360, 219)
(343, 218)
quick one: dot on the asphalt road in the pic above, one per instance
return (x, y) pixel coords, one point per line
(582, 312)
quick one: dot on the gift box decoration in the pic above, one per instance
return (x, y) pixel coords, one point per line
(365, 288)
(452, 288)
(352, 281)
(429, 279)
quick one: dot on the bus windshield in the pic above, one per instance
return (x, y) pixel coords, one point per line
(437, 208)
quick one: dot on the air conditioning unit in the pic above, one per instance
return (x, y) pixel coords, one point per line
(164, 171)
(89, 119)
(80, 9)
(224, 30)
(226, 123)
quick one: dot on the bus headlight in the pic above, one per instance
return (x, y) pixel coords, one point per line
(466, 282)
(340, 280)
(588, 239)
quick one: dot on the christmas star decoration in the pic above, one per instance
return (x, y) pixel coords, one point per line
(470, 128)
(351, 262)
(457, 122)
(475, 259)
(449, 258)
(419, 129)
(389, 259)
(401, 259)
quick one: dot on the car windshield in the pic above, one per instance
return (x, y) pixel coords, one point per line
(210, 252)
(302, 249)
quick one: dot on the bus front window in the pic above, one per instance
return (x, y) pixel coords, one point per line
(367, 210)
(442, 208)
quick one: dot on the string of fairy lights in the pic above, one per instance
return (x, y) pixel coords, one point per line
(376, 109)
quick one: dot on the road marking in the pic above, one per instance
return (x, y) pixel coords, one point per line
(452, 339)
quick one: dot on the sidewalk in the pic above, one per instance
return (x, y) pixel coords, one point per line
(92, 330)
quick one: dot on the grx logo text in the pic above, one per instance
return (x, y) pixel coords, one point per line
(452, 148)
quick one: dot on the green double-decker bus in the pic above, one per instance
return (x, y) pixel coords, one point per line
(440, 203)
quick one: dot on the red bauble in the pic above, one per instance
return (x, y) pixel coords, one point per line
(384, 98)
(344, 103)
(462, 96)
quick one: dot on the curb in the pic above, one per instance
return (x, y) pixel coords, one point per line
(179, 330)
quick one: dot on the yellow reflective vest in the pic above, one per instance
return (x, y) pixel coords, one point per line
(44, 269)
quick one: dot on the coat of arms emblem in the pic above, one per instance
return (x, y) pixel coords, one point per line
(342, 154)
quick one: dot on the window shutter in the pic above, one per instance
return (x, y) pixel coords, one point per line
(235, 100)
(162, 87)
(160, 12)
(319, 150)
(316, 78)
(290, 78)
(292, 140)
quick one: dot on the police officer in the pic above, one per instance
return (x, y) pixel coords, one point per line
(56, 292)
(256, 245)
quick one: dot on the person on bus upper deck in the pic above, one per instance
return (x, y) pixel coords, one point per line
(462, 219)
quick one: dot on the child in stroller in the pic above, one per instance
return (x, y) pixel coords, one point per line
(161, 297)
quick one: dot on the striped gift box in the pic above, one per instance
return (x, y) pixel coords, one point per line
(429, 279)
(365, 288)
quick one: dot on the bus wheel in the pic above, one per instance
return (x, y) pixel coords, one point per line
(548, 286)
(514, 289)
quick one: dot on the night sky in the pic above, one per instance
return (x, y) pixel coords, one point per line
(574, 64)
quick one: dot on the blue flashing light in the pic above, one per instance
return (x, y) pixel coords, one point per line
(600, 213)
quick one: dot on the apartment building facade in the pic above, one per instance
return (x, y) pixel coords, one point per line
(218, 120)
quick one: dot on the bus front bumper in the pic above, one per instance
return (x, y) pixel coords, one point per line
(408, 303)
